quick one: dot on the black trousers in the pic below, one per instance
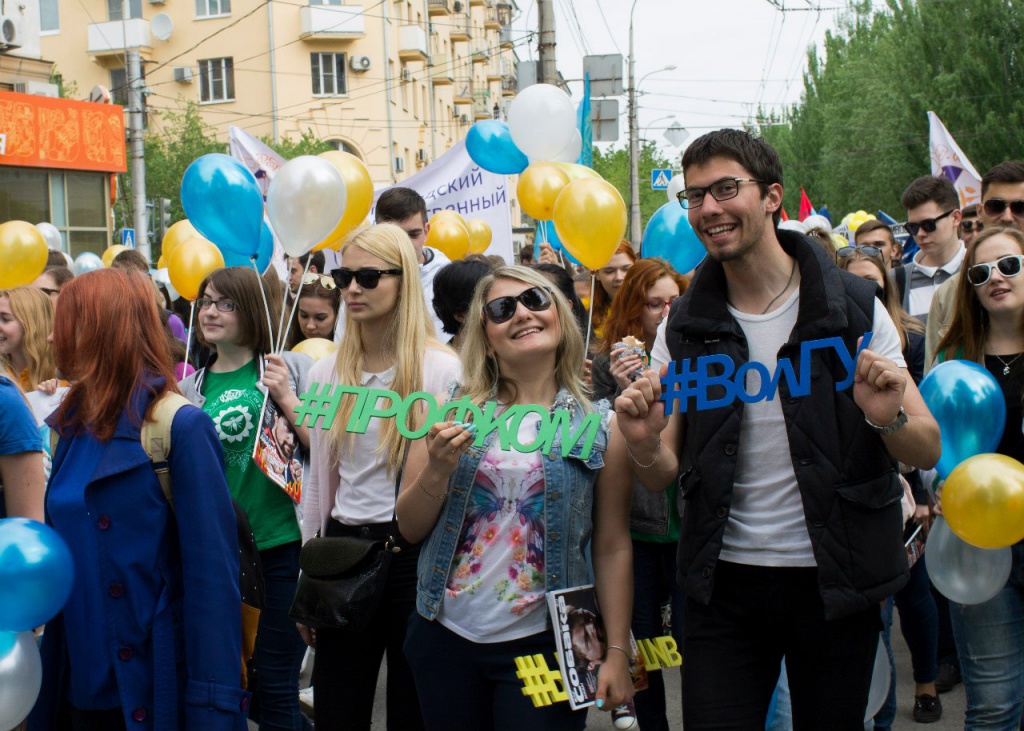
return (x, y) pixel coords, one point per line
(733, 649)
(347, 663)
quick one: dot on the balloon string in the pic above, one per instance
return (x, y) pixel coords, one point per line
(188, 335)
(295, 305)
(543, 240)
(590, 315)
(263, 294)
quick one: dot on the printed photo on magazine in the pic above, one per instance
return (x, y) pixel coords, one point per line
(581, 644)
(278, 452)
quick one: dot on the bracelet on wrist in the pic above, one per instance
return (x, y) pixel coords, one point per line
(657, 454)
(629, 656)
(429, 494)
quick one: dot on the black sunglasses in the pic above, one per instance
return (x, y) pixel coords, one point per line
(929, 224)
(501, 309)
(365, 278)
(971, 225)
(872, 251)
(995, 207)
(1008, 266)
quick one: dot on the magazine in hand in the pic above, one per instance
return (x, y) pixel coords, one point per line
(581, 644)
(278, 452)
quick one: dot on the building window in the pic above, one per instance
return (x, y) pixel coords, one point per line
(328, 73)
(216, 80)
(49, 16)
(344, 147)
(212, 8)
(325, 2)
(124, 9)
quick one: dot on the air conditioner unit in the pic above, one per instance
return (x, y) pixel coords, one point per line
(39, 88)
(157, 2)
(11, 34)
(183, 74)
(457, 6)
(421, 155)
(399, 164)
(406, 75)
(359, 63)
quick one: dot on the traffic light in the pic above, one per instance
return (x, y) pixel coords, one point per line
(163, 217)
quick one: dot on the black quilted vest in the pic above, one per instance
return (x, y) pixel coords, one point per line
(848, 481)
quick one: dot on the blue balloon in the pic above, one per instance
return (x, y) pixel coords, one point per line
(490, 145)
(968, 404)
(223, 201)
(263, 254)
(36, 574)
(670, 236)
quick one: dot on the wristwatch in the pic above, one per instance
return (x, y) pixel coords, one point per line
(894, 426)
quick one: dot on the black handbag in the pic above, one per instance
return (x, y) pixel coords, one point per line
(343, 578)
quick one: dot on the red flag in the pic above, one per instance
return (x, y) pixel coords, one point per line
(785, 216)
(806, 209)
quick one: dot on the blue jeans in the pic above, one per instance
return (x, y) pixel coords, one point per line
(886, 715)
(279, 648)
(990, 639)
(654, 578)
(919, 623)
(780, 711)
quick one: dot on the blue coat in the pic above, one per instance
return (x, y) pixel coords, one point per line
(158, 587)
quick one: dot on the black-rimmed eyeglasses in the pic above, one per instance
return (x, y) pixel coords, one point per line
(720, 190)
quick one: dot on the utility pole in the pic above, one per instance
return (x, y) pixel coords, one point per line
(546, 45)
(634, 147)
(136, 85)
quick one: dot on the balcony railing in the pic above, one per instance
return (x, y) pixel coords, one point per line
(412, 43)
(439, 7)
(331, 22)
(482, 108)
(115, 36)
(441, 73)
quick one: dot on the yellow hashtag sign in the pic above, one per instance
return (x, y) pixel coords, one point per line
(542, 685)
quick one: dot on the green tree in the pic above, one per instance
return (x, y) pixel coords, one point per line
(613, 166)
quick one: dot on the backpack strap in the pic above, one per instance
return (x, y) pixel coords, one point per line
(156, 438)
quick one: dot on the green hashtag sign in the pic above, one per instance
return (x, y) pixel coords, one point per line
(318, 402)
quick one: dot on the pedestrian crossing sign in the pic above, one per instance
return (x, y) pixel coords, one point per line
(660, 178)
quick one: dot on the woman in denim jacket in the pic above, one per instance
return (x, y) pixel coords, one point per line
(503, 527)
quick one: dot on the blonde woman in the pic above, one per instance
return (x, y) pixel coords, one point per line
(26, 319)
(388, 343)
(502, 528)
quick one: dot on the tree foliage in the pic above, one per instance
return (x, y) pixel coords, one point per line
(859, 134)
(613, 166)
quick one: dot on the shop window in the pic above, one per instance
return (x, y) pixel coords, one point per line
(217, 80)
(212, 8)
(24, 195)
(328, 73)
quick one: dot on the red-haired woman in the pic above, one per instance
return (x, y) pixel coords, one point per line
(609, 278)
(640, 305)
(155, 598)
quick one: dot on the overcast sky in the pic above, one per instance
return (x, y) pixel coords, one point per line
(732, 56)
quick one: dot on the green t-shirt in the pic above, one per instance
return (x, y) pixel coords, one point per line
(235, 405)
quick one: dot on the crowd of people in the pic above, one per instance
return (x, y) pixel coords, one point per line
(764, 534)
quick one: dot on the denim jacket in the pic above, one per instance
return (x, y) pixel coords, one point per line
(568, 506)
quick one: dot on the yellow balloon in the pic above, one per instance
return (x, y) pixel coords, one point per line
(161, 263)
(22, 254)
(983, 500)
(575, 172)
(110, 253)
(359, 190)
(316, 348)
(590, 219)
(178, 233)
(538, 189)
(448, 215)
(479, 235)
(449, 237)
(190, 263)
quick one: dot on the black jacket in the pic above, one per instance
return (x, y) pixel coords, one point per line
(848, 481)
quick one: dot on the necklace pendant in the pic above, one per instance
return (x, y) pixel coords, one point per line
(1006, 370)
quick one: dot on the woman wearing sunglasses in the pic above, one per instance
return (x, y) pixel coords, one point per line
(232, 389)
(388, 343)
(504, 527)
(317, 314)
(988, 327)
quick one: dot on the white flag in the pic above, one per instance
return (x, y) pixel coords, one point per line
(950, 162)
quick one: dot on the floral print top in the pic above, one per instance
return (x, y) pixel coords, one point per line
(495, 589)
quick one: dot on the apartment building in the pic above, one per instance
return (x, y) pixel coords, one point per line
(395, 82)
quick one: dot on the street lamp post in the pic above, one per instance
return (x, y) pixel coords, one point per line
(635, 234)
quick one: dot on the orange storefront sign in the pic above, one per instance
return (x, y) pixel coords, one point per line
(42, 132)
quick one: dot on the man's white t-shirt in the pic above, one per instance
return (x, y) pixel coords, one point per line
(766, 519)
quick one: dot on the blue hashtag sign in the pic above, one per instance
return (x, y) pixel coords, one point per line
(704, 378)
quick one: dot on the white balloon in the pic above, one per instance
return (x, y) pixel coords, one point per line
(51, 235)
(21, 676)
(306, 200)
(542, 121)
(881, 677)
(675, 187)
(87, 262)
(965, 574)
(571, 152)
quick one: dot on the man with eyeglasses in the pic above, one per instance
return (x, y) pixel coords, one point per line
(1002, 204)
(790, 534)
(877, 234)
(933, 219)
